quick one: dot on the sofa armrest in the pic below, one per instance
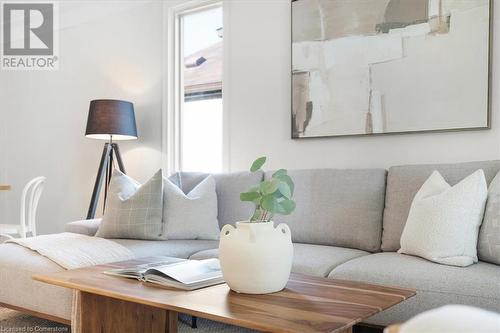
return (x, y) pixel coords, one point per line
(84, 227)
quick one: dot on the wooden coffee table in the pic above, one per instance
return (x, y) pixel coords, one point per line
(308, 304)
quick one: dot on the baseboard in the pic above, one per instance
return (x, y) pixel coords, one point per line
(37, 314)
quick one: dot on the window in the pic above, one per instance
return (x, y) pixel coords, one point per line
(199, 113)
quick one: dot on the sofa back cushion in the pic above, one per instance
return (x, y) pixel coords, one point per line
(488, 243)
(403, 182)
(337, 207)
(228, 187)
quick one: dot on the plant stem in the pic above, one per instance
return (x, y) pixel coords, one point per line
(264, 217)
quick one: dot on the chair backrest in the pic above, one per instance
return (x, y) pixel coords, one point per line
(29, 204)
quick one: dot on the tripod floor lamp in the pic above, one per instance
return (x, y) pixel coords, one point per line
(110, 120)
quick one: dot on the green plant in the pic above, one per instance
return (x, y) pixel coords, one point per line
(272, 196)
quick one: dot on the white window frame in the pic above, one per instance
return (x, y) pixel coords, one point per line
(173, 85)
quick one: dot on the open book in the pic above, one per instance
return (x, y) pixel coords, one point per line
(173, 272)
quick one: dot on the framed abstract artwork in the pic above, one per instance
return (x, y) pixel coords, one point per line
(368, 67)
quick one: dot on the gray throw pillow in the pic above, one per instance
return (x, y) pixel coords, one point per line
(132, 210)
(191, 215)
(488, 248)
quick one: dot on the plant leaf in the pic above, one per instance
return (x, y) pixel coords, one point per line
(254, 189)
(249, 196)
(258, 163)
(286, 207)
(280, 172)
(285, 189)
(280, 210)
(270, 203)
(269, 186)
(278, 195)
(288, 180)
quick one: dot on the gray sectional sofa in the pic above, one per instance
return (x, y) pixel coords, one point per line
(347, 225)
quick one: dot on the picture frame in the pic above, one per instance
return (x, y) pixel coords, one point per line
(330, 121)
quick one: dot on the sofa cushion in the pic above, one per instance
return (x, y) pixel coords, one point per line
(228, 187)
(170, 248)
(205, 254)
(317, 260)
(83, 227)
(436, 285)
(18, 264)
(337, 207)
(488, 244)
(403, 182)
(17, 288)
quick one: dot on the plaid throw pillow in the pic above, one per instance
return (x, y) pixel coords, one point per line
(132, 210)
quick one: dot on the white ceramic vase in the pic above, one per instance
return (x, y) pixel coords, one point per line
(255, 257)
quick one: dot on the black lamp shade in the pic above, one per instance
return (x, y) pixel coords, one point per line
(111, 118)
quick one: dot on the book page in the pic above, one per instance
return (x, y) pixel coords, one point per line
(138, 270)
(190, 271)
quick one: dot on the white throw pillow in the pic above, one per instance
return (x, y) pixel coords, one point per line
(443, 223)
(133, 210)
(453, 318)
(192, 215)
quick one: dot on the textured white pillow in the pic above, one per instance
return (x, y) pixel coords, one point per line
(192, 215)
(443, 222)
(453, 318)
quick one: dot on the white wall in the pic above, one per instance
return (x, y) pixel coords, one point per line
(114, 50)
(257, 83)
(107, 50)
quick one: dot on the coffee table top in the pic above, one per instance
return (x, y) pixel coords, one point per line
(307, 304)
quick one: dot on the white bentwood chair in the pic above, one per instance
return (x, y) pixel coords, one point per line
(29, 204)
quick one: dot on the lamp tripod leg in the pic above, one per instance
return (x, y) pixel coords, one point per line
(101, 173)
(118, 157)
(109, 173)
